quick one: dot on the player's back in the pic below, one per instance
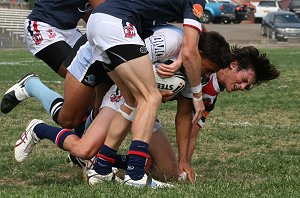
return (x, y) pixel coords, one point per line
(146, 14)
(62, 14)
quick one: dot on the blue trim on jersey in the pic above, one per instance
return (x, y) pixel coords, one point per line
(29, 28)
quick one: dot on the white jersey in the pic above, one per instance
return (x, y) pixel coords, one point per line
(210, 91)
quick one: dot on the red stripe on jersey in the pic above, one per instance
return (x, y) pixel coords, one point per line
(35, 26)
(192, 26)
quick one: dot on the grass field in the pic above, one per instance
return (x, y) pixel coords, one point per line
(250, 146)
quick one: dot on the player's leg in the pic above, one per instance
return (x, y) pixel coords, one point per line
(65, 138)
(130, 61)
(85, 148)
(77, 97)
(54, 55)
(144, 91)
(88, 146)
(50, 44)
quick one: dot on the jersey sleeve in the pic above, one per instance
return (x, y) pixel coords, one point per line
(193, 14)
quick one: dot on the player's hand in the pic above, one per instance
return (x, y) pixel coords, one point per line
(199, 110)
(189, 171)
(167, 96)
(165, 71)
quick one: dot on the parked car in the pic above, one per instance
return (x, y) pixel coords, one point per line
(218, 12)
(294, 6)
(241, 13)
(281, 25)
(264, 7)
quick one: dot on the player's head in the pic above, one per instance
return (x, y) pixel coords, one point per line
(247, 68)
(215, 52)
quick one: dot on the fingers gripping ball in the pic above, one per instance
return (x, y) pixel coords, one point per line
(174, 83)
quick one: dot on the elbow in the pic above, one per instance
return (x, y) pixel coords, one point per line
(189, 55)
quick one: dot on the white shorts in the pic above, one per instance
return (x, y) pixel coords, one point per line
(114, 99)
(105, 31)
(39, 35)
(165, 43)
(81, 62)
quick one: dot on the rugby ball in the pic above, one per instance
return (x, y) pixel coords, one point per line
(174, 83)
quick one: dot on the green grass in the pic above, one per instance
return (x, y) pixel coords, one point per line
(250, 146)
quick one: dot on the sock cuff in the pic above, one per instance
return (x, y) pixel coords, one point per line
(61, 136)
(55, 108)
(140, 146)
(109, 159)
(139, 153)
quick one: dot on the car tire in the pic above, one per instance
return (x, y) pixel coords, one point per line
(206, 17)
(281, 39)
(262, 31)
(257, 20)
(226, 21)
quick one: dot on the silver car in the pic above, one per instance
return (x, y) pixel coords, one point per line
(281, 25)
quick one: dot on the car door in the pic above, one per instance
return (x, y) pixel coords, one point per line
(269, 23)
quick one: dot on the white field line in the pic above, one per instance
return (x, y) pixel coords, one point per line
(247, 124)
(16, 62)
(44, 81)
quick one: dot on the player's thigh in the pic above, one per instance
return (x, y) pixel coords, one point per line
(77, 98)
(100, 90)
(163, 155)
(48, 43)
(54, 55)
(126, 93)
(129, 58)
(138, 75)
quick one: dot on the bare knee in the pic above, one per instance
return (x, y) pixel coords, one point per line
(153, 98)
(84, 153)
(157, 97)
(70, 122)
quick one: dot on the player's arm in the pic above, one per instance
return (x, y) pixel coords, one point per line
(193, 141)
(192, 63)
(94, 4)
(183, 132)
(197, 127)
(165, 70)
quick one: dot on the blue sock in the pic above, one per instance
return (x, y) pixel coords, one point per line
(56, 135)
(35, 88)
(79, 130)
(105, 160)
(137, 155)
(89, 120)
(121, 161)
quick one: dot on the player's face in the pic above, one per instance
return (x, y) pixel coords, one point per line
(235, 79)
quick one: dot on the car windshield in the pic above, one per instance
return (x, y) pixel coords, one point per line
(286, 18)
(267, 4)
